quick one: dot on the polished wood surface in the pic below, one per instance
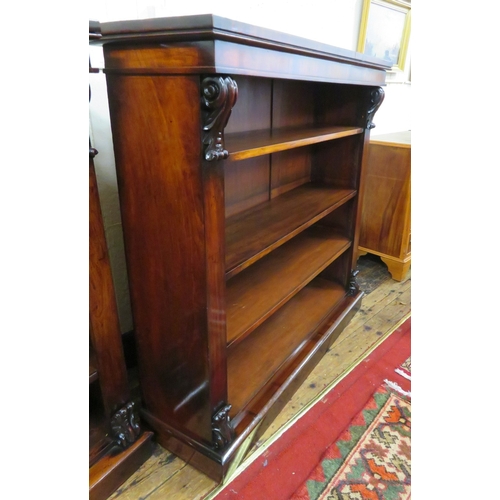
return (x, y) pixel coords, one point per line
(385, 225)
(254, 233)
(254, 294)
(109, 465)
(250, 144)
(162, 205)
(399, 139)
(223, 188)
(107, 350)
(170, 46)
(252, 363)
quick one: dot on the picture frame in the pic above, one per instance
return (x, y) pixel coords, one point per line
(385, 30)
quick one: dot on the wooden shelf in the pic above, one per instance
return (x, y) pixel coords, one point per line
(255, 232)
(245, 145)
(258, 291)
(253, 362)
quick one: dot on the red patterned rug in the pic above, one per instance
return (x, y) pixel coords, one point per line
(352, 444)
(372, 457)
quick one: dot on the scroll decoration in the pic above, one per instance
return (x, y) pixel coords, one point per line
(353, 288)
(376, 98)
(222, 432)
(219, 95)
(125, 425)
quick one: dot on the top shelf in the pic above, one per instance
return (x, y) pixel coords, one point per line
(245, 145)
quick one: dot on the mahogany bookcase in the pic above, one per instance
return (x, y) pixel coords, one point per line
(239, 155)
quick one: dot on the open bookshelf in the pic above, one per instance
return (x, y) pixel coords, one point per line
(239, 155)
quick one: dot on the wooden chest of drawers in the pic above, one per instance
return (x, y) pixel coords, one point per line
(385, 217)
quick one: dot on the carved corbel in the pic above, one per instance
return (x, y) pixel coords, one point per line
(222, 431)
(125, 427)
(353, 288)
(218, 96)
(376, 98)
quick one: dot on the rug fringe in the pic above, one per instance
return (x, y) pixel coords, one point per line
(397, 388)
(403, 373)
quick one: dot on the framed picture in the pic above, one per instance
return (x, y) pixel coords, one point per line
(385, 30)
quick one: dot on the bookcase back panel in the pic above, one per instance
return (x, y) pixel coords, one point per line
(290, 169)
(342, 218)
(341, 104)
(337, 163)
(338, 271)
(252, 110)
(293, 104)
(246, 184)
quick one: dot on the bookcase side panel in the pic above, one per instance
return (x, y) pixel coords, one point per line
(156, 131)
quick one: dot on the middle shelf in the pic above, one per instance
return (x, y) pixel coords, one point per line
(255, 232)
(257, 292)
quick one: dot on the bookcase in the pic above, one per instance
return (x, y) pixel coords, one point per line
(239, 154)
(118, 445)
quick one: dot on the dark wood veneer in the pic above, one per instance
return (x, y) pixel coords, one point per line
(250, 144)
(254, 294)
(254, 233)
(239, 156)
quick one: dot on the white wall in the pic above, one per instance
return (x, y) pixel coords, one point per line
(335, 22)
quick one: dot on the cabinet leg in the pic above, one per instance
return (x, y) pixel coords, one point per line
(398, 269)
(361, 253)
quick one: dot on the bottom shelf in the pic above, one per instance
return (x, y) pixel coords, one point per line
(253, 363)
(264, 370)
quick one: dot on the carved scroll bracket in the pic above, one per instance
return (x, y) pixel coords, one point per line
(125, 427)
(222, 431)
(218, 96)
(376, 98)
(353, 284)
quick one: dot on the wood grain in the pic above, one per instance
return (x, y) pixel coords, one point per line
(105, 334)
(255, 360)
(385, 227)
(254, 233)
(254, 294)
(249, 144)
(162, 201)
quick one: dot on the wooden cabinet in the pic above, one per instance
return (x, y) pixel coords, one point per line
(239, 155)
(386, 216)
(117, 444)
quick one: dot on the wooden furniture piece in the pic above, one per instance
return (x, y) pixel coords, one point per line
(117, 445)
(239, 156)
(386, 215)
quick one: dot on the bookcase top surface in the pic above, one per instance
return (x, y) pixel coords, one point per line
(213, 27)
